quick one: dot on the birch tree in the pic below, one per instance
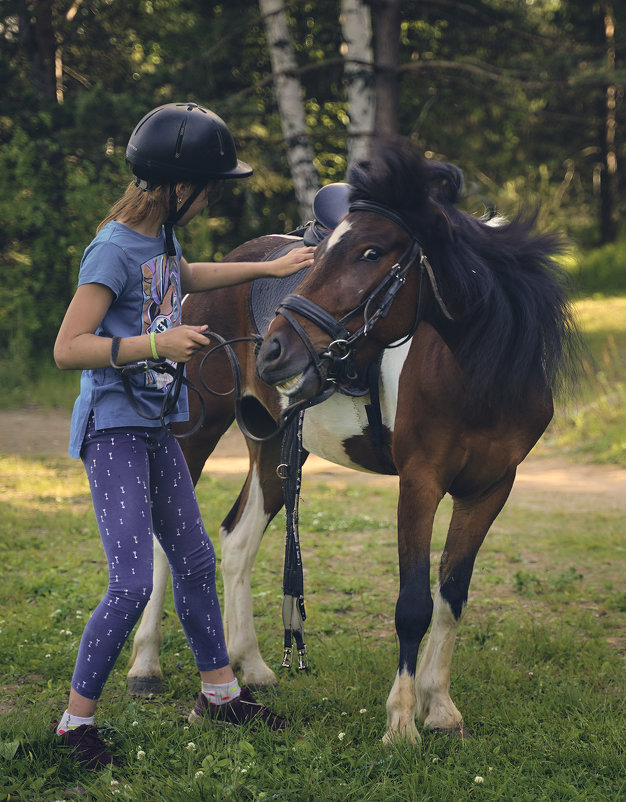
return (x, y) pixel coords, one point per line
(289, 97)
(356, 27)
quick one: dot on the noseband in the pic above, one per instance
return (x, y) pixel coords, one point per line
(336, 363)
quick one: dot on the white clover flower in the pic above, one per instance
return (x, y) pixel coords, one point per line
(344, 714)
(341, 736)
(478, 779)
(199, 773)
(48, 655)
(363, 710)
(140, 754)
(135, 724)
(114, 782)
(191, 747)
(244, 771)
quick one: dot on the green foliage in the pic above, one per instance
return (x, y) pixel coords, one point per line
(511, 92)
(601, 271)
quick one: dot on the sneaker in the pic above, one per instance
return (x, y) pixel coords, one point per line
(243, 710)
(86, 747)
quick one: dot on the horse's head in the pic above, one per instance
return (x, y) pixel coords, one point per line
(366, 289)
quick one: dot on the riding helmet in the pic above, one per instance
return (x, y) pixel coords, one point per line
(182, 142)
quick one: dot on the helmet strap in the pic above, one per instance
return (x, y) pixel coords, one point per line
(175, 214)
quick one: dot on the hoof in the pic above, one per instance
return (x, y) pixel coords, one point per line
(461, 732)
(407, 734)
(144, 686)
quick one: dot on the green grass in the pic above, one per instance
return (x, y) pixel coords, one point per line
(538, 671)
(591, 423)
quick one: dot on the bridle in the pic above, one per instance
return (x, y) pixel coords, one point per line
(335, 365)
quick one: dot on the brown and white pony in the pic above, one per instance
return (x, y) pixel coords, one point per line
(469, 326)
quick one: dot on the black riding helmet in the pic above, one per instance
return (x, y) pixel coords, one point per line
(182, 142)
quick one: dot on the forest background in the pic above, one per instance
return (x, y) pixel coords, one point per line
(526, 96)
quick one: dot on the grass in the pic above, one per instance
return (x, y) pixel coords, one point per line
(538, 671)
(591, 423)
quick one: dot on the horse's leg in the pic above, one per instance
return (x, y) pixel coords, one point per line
(241, 533)
(145, 675)
(419, 497)
(469, 524)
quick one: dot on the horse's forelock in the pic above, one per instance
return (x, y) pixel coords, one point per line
(400, 177)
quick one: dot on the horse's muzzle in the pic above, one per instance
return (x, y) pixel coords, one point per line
(289, 369)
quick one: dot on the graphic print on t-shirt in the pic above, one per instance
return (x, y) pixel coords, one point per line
(161, 302)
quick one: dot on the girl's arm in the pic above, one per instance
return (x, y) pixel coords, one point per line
(78, 348)
(201, 276)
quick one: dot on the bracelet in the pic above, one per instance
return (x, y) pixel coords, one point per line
(153, 346)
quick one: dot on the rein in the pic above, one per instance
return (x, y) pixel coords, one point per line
(173, 388)
(284, 419)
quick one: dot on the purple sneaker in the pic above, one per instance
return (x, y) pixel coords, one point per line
(87, 748)
(243, 710)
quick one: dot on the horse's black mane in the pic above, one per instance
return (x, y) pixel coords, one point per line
(500, 281)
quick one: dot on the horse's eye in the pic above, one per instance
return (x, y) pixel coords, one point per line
(371, 255)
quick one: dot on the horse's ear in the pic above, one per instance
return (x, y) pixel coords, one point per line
(445, 182)
(442, 225)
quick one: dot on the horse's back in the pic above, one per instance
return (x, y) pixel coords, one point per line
(225, 309)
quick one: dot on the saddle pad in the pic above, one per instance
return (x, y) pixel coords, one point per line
(267, 293)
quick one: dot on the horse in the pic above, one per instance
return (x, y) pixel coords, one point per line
(424, 342)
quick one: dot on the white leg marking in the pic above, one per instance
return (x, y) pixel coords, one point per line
(239, 549)
(401, 705)
(144, 660)
(435, 707)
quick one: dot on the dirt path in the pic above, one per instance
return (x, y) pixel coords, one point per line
(36, 432)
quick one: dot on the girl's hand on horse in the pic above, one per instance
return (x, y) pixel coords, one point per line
(180, 343)
(291, 262)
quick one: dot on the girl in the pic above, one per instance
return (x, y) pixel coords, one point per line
(127, 309)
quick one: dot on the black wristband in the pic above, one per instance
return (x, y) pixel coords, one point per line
(115, 347)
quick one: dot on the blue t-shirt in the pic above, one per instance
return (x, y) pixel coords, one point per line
(146, 286)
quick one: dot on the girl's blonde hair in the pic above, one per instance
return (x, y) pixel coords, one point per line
(137, 204)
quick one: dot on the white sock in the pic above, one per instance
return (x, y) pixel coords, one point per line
(221, 694)
(72, 722)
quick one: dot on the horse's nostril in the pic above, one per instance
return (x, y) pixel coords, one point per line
(273, 350)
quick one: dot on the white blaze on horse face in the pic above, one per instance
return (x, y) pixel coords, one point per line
(340, 417)
(435, 708)
(337, 234)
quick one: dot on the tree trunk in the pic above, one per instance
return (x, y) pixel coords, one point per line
(356, 27)
(289, 98)
(387, 55)
(38, 35)
(608, 185)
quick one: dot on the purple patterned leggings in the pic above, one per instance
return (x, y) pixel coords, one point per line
(140, 486)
